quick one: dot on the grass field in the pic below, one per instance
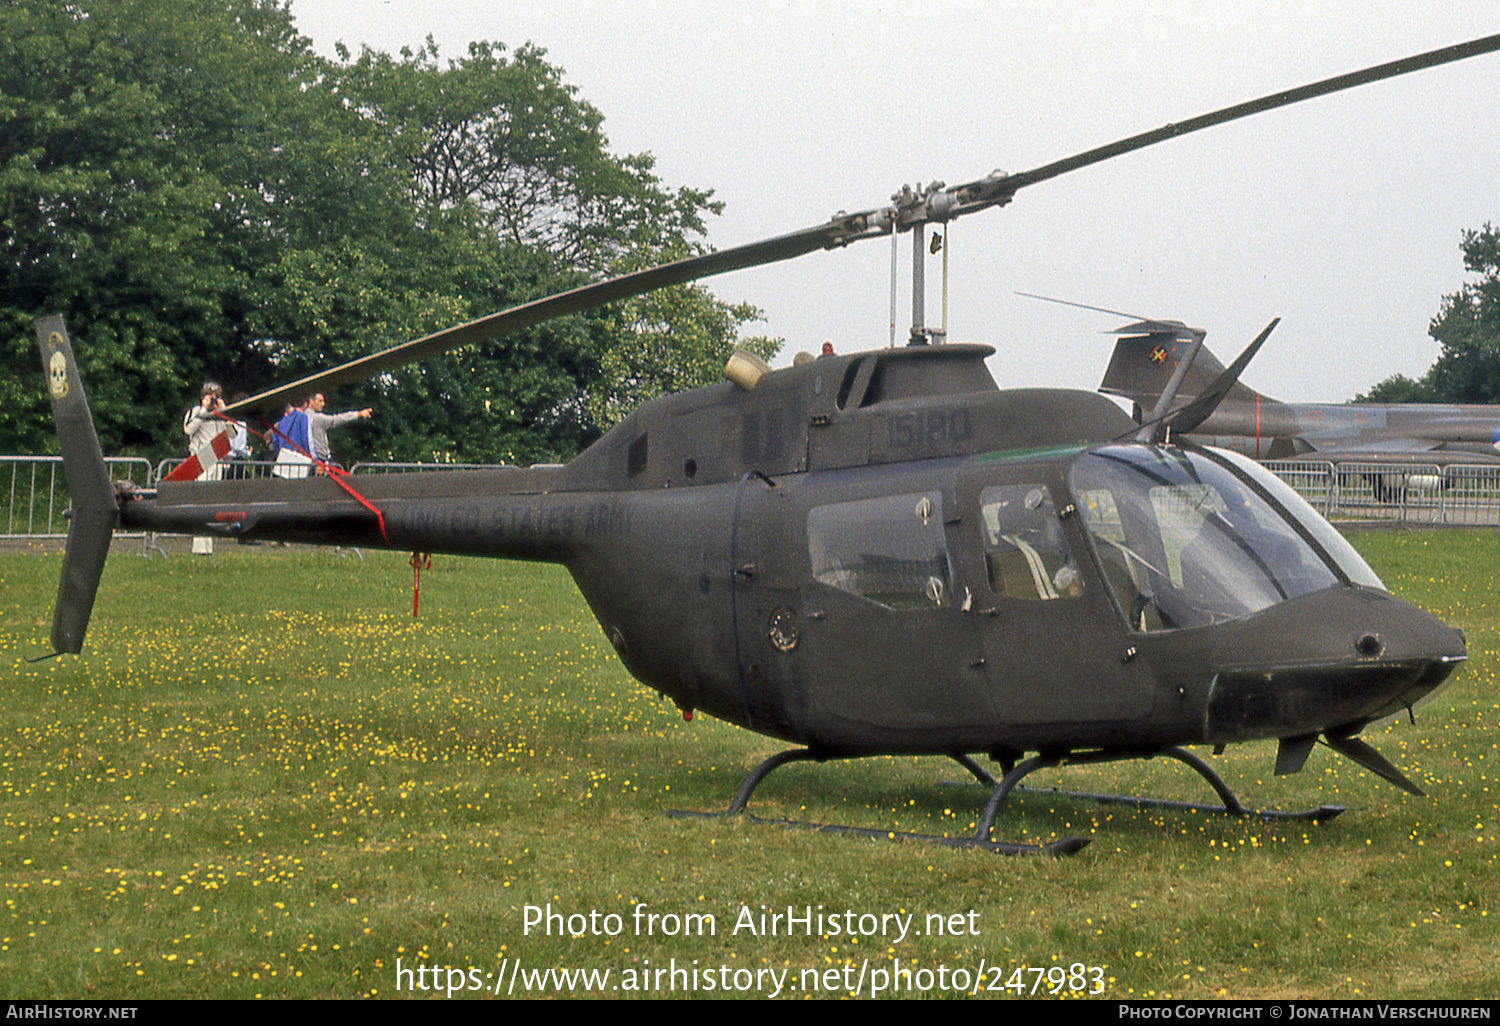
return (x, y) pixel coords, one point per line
(264, 778)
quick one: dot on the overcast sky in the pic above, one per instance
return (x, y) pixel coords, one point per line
(1342, 216)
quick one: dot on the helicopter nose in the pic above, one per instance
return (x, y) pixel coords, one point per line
(1335, 659)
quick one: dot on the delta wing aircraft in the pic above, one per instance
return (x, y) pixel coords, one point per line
(1151, 351)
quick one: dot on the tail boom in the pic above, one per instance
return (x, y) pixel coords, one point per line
(508, 513)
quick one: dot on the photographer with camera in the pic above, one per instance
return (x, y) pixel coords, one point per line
(202, 424)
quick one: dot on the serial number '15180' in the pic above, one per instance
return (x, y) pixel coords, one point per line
(930, 429)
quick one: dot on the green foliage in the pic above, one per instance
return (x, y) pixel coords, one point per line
(1398, 388)
(499, 142)
(201, 196)
(160, 160)
(667, 341)
(1467, 326)
(506, 137)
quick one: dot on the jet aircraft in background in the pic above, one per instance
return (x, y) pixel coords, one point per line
(1150, 350)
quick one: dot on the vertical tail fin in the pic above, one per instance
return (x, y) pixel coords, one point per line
(94, 508)
(1148, 362)
(1147, 356)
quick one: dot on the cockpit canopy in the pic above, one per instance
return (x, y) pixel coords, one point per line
(1192, 537)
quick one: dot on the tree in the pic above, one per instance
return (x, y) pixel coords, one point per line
(1398, 388)
(505, 136)
(667, 341)
(200, 196)
(498, 140)
(1467, 326)
(160, 160)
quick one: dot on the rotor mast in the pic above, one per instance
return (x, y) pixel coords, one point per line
(912, 210)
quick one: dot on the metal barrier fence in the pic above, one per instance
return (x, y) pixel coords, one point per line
(236, 470)
(228, 470)
(1416, 494)
(1315, 482)
(34, 493)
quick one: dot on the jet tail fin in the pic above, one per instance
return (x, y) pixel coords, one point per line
(94, 507)
(1148, 354)
(1188, 416)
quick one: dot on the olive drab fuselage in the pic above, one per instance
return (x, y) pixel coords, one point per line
(884, 553)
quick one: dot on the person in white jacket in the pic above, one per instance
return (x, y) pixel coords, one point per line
(202, 423)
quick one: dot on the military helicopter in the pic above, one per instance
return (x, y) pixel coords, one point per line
(882, 552)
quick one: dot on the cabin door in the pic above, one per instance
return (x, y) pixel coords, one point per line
(764, 596)
(1055, 650)
(848, 611)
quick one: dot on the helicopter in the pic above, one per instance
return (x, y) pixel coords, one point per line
(881, 552)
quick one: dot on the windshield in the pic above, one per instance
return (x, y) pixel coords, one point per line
(1325, 534)
(1184, 542)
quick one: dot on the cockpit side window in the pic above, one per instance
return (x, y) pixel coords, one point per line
(1025, 552)
(1125, 570)
(889, 550)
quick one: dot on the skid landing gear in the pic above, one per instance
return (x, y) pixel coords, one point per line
(981, 838)
(1231, 807)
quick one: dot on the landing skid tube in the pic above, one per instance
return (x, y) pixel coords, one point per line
(1231, 807)
(981, 839)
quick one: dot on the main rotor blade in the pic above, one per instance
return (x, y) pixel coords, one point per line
(909, 209)
(1391, 69)
(1085, 306)
(839, 231)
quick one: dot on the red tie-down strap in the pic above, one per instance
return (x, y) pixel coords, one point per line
(339, 476)
(419, 561)
(220, 446)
